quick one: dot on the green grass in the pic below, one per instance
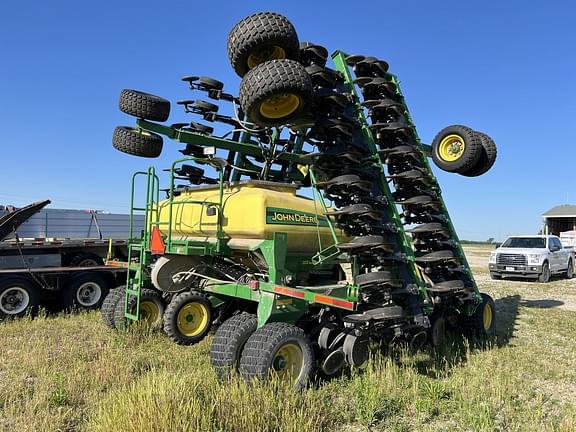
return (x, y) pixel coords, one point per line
(70, 373)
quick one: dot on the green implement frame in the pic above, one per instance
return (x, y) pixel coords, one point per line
(276, 298)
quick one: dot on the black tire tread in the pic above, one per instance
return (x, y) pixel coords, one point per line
(228, 342)
(271, 78)
(256, 356)
(130, 141)
(487, 157)
(171, 313)
(264, 28)
(109, 305)
(144, 105)
(471, 155)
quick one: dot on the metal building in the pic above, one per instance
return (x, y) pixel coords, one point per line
(559, 219)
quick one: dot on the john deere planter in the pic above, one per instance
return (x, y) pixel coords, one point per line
(310, 227)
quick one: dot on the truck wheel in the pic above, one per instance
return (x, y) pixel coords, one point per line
(482, 323)
(545, 275)
(109, 305)
(85, 259)
(279, 349)
(228, 342)
(18, 296)
(495, 276)
(144, 105)
(487, 157)
(276, 92)
(570, 270)
(137, 142)
(259, 38)
(85, 291)
(188, 318)
(152, 308)
(456, 149)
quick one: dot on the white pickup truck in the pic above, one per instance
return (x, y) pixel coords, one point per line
(538, 257)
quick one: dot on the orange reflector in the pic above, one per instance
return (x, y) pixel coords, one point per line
(157, 242)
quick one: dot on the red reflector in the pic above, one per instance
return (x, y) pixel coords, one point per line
(253, 284)
(157, 242)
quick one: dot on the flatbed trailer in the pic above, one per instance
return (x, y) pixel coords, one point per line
(68, 273)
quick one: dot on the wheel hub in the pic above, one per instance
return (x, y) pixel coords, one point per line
(451, 148)
(14, 300)
(288, 362)
(280, 105)
(192, 319)
(88, 294)
(265, 54)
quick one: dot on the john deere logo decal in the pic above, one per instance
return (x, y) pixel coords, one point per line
(282, 216)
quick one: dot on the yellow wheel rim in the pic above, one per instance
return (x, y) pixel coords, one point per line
(288, 362)
(149, 312)
(265, 54)
(279, 106)
(192, 319)
(487, 317)
(451, 148)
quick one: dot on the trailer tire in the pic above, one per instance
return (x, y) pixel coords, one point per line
(276, 92)
(109, 305)
(188, 318)
(137, 142)
(228, 342)
(487, 157)
(144, 105)
(152, 309)
(456, 149)
(18, 297)
(85, 259)
(259, 38)
(278, 348)
(85, 291)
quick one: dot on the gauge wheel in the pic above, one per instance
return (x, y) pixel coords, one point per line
(456, 149)
(276, 93)
(260, 38)
(279, 350)
(144, 105)
(487, 157)
(109, 305)
(18, 296)
(152, 309)
(188, 318)
(137, 142)
(482, 323)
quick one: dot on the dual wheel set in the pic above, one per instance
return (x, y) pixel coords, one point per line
(22, 295)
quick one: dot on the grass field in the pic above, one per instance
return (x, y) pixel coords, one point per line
(70, 373)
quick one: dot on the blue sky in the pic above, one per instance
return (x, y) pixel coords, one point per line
(504, 68)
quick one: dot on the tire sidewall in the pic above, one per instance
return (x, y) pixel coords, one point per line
(170, 319)
(19, 286)
(82, 281)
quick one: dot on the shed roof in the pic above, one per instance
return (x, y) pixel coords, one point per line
(565, 210)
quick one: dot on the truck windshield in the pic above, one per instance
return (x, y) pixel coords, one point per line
(525, 242)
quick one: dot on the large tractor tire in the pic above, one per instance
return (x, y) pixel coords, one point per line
(276, 92)
(109, 305)
(137, 142)
(482, 323)
(228, 342)
(144, 105)
(487, 157)
(152, 307)
(456, 149)
(278, 349)
(188, 318)
(18, 296)
(260, 38)
(85, 291)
